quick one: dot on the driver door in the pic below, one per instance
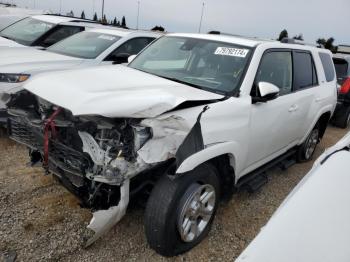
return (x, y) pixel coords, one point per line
(272, 129)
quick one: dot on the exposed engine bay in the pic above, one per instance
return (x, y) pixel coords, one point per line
(98, 159)
(97, 151)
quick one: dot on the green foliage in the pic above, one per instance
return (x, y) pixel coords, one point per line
(327, 43)
(283, 34)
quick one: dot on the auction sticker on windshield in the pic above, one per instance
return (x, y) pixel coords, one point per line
(229, 51)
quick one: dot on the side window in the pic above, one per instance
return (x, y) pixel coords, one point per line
(304, 70)
(131, 47)
(59, 34)
(328, 66)
(276, 68)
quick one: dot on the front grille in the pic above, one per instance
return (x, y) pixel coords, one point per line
(60, 155)
(23, 133)
(66, 158)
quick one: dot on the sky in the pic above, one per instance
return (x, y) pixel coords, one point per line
(260, 18)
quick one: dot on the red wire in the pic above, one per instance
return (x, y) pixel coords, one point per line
(49, 126)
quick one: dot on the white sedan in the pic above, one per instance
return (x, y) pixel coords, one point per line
(313, 223)
(88, 48)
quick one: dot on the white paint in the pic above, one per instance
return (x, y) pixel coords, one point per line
(252, 134)
(31, 61)
(114, 91)
(103, 220)
(312, 224)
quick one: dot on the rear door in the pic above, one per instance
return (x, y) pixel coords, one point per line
(306, 86)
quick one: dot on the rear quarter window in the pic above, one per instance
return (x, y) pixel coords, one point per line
(328, 66)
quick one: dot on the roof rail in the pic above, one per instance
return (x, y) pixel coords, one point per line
(293, 41)
(343, 49)
(82, 20)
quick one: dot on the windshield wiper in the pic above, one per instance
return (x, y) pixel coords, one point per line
(182, 82)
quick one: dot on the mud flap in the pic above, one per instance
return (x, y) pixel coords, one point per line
(103, 220)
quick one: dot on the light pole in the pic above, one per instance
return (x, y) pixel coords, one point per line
(138, 14)
(200, 23)
(103, 8)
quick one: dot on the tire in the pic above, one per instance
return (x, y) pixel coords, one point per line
(166, 208)
(344, 120)
(307, 149)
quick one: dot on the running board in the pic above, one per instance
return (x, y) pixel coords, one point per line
(257, 178)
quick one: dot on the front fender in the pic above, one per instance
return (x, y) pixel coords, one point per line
(208, 153)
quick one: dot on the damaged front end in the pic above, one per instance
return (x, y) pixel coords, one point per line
(93, 157)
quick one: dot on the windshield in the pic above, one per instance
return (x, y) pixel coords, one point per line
(88, 45)
(210, 65)
(26, 31)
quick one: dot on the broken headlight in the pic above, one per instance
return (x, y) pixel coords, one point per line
(13, 78)
(141, 135)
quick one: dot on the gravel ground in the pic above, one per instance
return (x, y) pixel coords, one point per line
(41, 221)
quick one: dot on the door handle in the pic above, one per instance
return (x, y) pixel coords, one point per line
(293, 108)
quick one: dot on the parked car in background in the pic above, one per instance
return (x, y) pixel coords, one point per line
(6, 20)
(312, 223)
(189, 120)
(341, 61)
(90, 48)
(42, 30)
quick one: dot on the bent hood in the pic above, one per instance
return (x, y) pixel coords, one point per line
(28, 59)
(114, 91)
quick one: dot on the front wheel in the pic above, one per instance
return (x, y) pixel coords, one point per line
(308, 148)
(179, 212)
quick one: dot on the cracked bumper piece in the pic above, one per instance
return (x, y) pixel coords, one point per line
(103, 220)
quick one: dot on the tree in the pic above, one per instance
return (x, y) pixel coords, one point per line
(327, 43)
(115, 21)
(299, 37)
(82, 15)
(123, 22)
(104, 19)
(95, 17)
(71, 13)
(158, 28)
(283, 34)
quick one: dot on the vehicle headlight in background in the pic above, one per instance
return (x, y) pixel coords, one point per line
(13, 78)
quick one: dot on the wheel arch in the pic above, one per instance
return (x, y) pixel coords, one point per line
(222, 157)
(323, 122)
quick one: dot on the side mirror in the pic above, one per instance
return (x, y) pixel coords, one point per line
(120, 58)
(266, 92)
(131, 58)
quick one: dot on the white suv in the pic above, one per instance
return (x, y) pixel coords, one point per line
(191, 118)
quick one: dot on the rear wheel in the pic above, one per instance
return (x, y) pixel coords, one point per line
(307, 149)
(344, 120)
(179, 212)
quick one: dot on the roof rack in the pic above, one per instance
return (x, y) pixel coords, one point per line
(293, 41)
(343, 49)
(78, 19)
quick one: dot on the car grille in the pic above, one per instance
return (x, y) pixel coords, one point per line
(20, 131)
(60, 155)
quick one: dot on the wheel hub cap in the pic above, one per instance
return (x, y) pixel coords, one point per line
(311, 144)
(196, 212)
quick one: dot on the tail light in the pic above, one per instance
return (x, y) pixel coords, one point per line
(345, 88)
